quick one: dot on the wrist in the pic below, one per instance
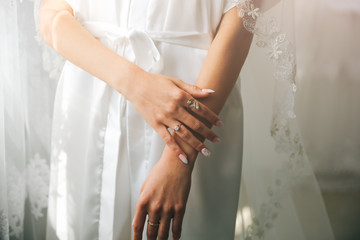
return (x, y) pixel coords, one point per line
(125, 79)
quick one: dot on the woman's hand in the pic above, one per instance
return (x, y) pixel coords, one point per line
(163, 102)
(163, 198)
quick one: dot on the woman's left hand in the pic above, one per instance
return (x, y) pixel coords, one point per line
(163, 198)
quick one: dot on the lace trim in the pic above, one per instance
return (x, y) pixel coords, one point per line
(37, 179)
(287, 143)
(16, 199)
(279, 50)
(32, 183)
(4, 226)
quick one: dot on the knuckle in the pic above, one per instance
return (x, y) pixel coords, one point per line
(156, 208)
(143, 202)
(168, 210)
(178, 95)
(180, 209)
(172, 107)
(160, 116)
(154, 121)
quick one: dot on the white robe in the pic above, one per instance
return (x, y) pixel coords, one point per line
(103, 150)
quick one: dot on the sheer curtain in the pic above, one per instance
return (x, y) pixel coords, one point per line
(28, 75)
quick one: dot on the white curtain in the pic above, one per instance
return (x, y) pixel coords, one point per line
(28, 75)
(280, 197)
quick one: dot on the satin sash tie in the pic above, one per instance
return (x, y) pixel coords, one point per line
(138, 46)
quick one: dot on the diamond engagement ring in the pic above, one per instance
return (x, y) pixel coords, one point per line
(177, 127)
(193, 104)
(154, 224)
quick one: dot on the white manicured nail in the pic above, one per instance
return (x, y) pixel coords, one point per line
(206, 152)
(183, 159)
(208, 90)
(216, 140)
(219, 123)
(132, 223)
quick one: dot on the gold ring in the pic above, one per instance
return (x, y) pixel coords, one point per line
(193, 104)
(154, 224)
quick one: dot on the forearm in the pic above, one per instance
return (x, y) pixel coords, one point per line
(224, 61)
(222, 66)
(65, 34)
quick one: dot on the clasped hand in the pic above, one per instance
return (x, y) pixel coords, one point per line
(163, 102)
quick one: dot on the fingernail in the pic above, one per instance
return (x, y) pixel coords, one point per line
(219, 123)
(206, 152)
(216, 140)
(132, 223)
(183, 159)
(208, 90)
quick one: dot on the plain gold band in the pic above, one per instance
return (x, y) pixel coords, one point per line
(153, 224)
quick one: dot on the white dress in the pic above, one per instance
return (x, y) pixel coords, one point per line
(103, 150)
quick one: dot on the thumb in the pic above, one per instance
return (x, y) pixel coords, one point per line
(194, 90)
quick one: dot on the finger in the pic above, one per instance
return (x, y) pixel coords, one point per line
(193, 90)
(153, 225)
(207, 114)
(191, 140)
(172, 144)
(139, 220)
(163, 232)
(197, 126)
(177, 223)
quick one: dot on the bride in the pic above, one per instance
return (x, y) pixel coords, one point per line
(143, 84)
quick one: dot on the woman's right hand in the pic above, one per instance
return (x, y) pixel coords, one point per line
(163, 102)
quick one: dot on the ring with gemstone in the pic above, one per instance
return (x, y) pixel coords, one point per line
(193, 104)
(177, 127)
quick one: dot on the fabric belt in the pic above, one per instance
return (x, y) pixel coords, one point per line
(138, 45)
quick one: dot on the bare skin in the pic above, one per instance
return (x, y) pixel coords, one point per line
(160, 100)
(165, 192)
